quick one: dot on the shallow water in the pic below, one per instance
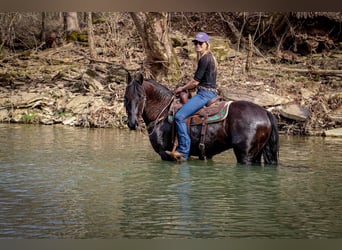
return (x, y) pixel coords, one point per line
(65, 182)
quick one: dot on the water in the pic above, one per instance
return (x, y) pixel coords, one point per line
(65, 182)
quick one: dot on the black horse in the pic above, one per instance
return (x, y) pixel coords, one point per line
(248, 128)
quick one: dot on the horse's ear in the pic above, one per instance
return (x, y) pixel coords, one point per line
(128, 78)
(139, 78)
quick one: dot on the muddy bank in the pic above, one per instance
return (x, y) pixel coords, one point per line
(63, 86)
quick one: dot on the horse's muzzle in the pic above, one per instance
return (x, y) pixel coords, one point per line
(133, 125)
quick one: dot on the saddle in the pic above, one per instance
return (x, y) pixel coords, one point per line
(215, 111)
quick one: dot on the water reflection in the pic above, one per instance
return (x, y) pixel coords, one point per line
(62, 182)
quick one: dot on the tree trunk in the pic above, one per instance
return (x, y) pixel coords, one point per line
(161, 59)
(71, 22)
(91, 41)
(236, 33)
(43, 31)
(248, 66)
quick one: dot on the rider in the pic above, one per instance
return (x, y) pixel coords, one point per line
(205, 81)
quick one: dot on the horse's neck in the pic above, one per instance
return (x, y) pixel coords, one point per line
(155, 109)
(155, 106)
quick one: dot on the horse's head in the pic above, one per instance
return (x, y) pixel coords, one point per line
(134, 100)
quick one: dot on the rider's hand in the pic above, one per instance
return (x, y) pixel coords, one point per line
(178, 90)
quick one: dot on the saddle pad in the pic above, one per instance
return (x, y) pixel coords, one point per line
(214, 115)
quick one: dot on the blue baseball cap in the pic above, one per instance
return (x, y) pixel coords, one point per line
(201, 37)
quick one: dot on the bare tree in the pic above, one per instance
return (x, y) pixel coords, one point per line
(43, 28)
(160, 57)
(91, 41)
(71, 22)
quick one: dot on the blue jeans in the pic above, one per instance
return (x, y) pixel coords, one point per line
(194, 104)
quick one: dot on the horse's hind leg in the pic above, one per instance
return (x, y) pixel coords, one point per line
(257, 159)
(247, 157)
(242, 156)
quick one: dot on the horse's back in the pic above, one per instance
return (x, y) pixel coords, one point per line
(248, 112)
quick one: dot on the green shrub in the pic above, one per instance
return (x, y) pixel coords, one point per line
(30, 118)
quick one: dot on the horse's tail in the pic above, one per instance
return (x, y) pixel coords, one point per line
(271, 149)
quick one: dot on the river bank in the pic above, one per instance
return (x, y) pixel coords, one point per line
(64, 86)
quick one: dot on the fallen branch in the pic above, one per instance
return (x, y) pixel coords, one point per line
(85, 55)
(310, 71)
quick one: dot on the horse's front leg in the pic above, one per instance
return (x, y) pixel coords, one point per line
(161, 142)
(164, 156)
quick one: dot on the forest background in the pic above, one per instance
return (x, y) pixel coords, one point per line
(70, 67)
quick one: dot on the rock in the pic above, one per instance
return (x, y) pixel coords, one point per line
(220, 48)
(336, 114)
(178, 39)
(294, 112)
(92, 83)
(17, 115)
(261, 98)
(306, 93)
(24, 100)
(79, 103)
(335, 117)
(334, 132)
(69, 121)
(46, 121)
(4, 115)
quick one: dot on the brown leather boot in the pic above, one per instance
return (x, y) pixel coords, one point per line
(175, 155)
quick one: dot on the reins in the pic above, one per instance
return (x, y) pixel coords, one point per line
(142, 110)
(158, 119)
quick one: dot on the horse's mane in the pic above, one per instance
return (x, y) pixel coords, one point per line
(161, 89)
